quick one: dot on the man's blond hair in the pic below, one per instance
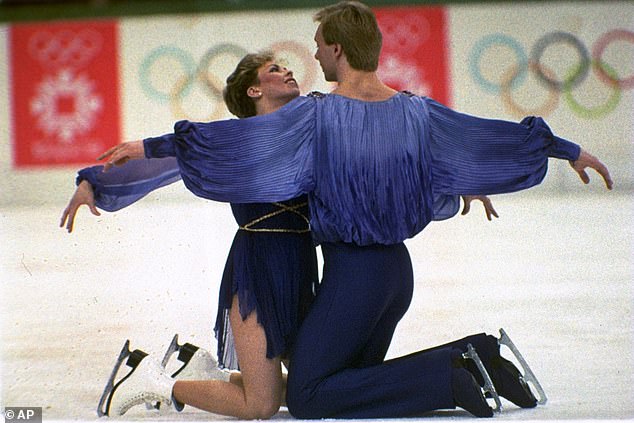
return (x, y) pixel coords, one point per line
(352, 25)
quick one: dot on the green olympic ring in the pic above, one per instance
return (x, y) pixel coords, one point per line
(602, 109)
(307, 60)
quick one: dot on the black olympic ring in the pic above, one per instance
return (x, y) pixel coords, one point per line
(577, 76)
(214, 84)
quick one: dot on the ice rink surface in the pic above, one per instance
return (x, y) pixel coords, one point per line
(554, 271)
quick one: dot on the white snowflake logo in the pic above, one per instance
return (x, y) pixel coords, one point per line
(403, 76)
(66, 105)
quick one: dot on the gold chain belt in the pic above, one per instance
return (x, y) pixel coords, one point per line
(282, 208)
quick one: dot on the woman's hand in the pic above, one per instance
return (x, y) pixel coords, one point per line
(122, 153)
(83, 195)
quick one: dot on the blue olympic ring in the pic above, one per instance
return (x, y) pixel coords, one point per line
(182, 57)
(487, 42)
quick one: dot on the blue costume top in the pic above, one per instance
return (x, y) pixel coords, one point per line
(375, 172)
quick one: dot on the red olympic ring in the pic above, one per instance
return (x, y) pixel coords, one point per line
(599, 49)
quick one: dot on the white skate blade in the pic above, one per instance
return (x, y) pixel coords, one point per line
(528, 375)
(488, 384)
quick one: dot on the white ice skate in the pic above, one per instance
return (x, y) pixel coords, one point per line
(146, 383)
(528, 374)
(197, 363)
(488, 390)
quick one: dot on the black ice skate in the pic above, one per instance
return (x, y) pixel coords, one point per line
(528, 376)
(145, 383)
(488, 389)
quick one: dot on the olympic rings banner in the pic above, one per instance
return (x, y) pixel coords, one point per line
(79, 87)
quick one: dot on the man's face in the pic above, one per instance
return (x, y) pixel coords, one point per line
(325, 55)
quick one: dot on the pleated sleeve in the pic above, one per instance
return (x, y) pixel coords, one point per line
(124, 185)
(472, 155)
(258, 159)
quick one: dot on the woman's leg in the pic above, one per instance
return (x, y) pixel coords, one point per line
(258, 392)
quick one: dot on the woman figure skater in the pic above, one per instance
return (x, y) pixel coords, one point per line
(270, 273)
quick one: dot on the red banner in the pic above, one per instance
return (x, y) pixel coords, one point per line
(64, 91)
(415, 50)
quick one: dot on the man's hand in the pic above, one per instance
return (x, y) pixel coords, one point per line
(83, 195)
(122, 153)
(488, 205)
(588, 160)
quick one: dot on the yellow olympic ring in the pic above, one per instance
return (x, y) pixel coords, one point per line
(176, 100)
(506, 86)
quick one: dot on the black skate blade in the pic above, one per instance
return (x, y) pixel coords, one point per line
(528, 375)
(488, 389)
(102, 410)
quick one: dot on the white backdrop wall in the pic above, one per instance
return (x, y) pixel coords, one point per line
(485, 43)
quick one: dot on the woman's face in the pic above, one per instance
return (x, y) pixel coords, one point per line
(276, 82)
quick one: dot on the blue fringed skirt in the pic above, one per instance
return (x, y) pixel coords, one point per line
(272, 268)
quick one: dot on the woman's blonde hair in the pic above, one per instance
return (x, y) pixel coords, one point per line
(354, 26)
(244, 76)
